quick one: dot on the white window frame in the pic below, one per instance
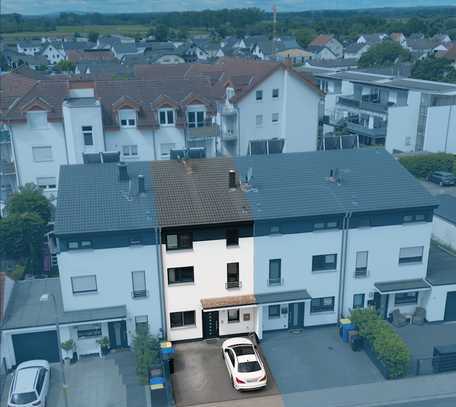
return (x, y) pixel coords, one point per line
(278, 93)
(38, 115)
(166, 111)
(196, 123)
(47, 183)
(87, 132)
(408, 259)
(138, 283)
(127, 115)
(168, 154)
(92, 277)
(36, 151)
(130, 151)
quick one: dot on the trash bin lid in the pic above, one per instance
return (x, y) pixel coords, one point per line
(344, 321)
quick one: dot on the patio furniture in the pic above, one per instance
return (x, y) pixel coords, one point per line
(419, 316)
(398, 319)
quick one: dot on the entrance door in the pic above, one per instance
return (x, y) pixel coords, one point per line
(210, 324)
(296, 315)
(450, 307)
(381, 304)
(118, 334)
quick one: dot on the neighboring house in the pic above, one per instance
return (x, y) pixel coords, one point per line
(444, 223)
(123, 49)
(53, 53)
(371, 39)
(192, 52)
(321, 52)
(451, 55)
(399, 38)
(421, 48)
(329, 42)
(76, 56)
(15, 60)
(236, 107)
(103, 69)
(31, 47)
(356, 50)
(442, 38)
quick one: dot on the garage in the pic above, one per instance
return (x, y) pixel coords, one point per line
(36, 345)
(450, 306)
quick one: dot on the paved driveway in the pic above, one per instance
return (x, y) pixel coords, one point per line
(201, 376)
(435, 189)
(315, 358)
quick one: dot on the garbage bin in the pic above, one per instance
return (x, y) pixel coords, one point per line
(343, 322)
(346, 331)
(356, 343)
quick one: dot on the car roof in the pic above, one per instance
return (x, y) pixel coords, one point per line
(443, 173)
(25, 380)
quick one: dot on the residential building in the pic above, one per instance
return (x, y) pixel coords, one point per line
(399, 38)
(235, 107)
(326, 47)
(371, 39)
(444, 223)
(356, 50)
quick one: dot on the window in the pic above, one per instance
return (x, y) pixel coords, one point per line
(232, 275)
(324, 262)
(233, 316)
(40, 380)
(324, 86)
(166, 117)
(275, 117)
(324, 304)
(232, 237)
(259, 95)
(275, 272)
(180, 319)
(413, 218)
(411, 255)
(84, 284)
(46, 183)
(127, 118)
(42, 154)
(195, 119)
(86, 244)
(88, 135)
(130, 151)
(180, 275)
(275, 93)
(361, 264)
(142, 323)
(406, 298)
(37, 120)
(89, 331)
(165, 149)
(274, 311)
(274, 230)
(325, 225)
(73, 245)
(178, 241)
(139, 284)
(358, 301)
(259, 120)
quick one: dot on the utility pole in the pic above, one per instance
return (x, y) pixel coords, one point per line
(274, 23)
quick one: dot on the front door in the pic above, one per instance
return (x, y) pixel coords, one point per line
(118, 334)
(210, 324)
(381, 304)
(296, 315)
(450, 306)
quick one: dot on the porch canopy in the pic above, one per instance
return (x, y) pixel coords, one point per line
(402, 286)
(282, 297)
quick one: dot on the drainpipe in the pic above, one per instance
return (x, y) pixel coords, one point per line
(13, 152)
(343, 263)
(159, 253)
(450, 114)
(155, 143)
(238, 115)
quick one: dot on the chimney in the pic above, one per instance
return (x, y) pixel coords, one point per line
(123, 172)
(141, 185)
(232, 179)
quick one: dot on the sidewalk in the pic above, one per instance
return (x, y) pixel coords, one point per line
(376, 394)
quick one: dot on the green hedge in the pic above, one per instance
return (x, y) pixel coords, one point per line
(387, 345)
(423, 165)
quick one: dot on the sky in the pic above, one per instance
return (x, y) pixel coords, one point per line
(123, 6)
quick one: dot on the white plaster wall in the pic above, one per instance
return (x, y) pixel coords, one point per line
(444, 231)
(436, 302)
(232, 328)
(440, 133)
(143, 138)
(209, 259)
(275, 323)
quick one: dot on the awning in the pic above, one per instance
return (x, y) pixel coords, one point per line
(391, 287)
(94, 314)
(284, 296)
(228, 302)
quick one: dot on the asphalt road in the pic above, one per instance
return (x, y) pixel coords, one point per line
(435, 189)
(447, 402)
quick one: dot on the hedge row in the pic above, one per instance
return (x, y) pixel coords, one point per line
(423, 165)
(387, 345)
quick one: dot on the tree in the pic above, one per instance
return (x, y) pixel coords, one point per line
(29, 199)
(161, 32)
(93, 36)
(434, 69)
(304, 36)
(146, 349)
(384, 54)
(64, 66)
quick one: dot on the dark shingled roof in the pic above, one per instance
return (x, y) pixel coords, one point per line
(402, 285)
(93, 199)
(447, 208)
(441, 266)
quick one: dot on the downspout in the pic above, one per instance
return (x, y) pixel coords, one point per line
(238, 114)
(155, 143)
(158, 250)
(450, 114)
(13, 151)
(343, 263)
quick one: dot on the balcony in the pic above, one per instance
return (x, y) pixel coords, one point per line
(230, 285)
(229, 135)
(361, 272)
(275, 282)
(7, 168)
(352, 102)
(202, 131)
(379, 132)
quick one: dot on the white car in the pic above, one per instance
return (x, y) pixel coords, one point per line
(244, 364)
(30, 384)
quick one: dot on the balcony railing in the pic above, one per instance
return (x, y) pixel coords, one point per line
(139, 293)
(7, 168)
(202, 130)
(229, 285)
(275, 282)
(229, 134)
(365, 131)
(350, 101)
(361, 273)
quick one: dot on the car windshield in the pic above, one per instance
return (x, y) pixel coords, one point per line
(249, 367)
(23, 398)
(243, 350)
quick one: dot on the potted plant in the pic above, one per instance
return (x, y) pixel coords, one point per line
(104, 345)
(68, 347)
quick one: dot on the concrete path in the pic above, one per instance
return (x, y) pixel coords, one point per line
(271, 401)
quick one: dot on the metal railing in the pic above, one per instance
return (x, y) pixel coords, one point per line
(233, 284)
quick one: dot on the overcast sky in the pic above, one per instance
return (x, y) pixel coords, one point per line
(122, 6)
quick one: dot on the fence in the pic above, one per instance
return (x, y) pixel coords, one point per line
(432, 365)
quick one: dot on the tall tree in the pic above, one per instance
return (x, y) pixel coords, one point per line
(384, 54)
(434, 69)
(29, 199)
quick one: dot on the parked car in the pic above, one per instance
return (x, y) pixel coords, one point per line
(244, 364)
(442, 178)
(30, 384)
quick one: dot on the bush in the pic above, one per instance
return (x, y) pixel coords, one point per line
(387, 345)
(422, 166)
(146, 349)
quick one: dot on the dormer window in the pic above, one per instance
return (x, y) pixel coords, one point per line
(37, 119)
(166, 117)
(196, 118)
(127, 118)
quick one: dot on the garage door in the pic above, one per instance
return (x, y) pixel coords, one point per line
(36, 345)
(450, 307)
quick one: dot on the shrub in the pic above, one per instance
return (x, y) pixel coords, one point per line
(146, 349)
(422, 166)
(387, 345)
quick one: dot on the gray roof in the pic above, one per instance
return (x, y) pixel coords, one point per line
(355, 48)
(25, 310)
(93, 199)
(282, 296)
(402, 285)
(447, 208)
(421, 85)
(441, 266)
(334, 63)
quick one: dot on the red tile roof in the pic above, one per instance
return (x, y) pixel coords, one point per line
(321, 40)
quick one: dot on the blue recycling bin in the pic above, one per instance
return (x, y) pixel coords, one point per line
(346, 328)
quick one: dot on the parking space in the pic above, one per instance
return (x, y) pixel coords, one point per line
(201, 376)
(435, 189)
(315, 358)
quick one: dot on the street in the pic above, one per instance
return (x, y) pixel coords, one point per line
(444, 402)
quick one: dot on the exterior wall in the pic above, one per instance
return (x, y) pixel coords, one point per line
(440, 133)
(401, 134)
(209, 259)
(113, 268)
(444, 231)
(436, 302)
(230, 328)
